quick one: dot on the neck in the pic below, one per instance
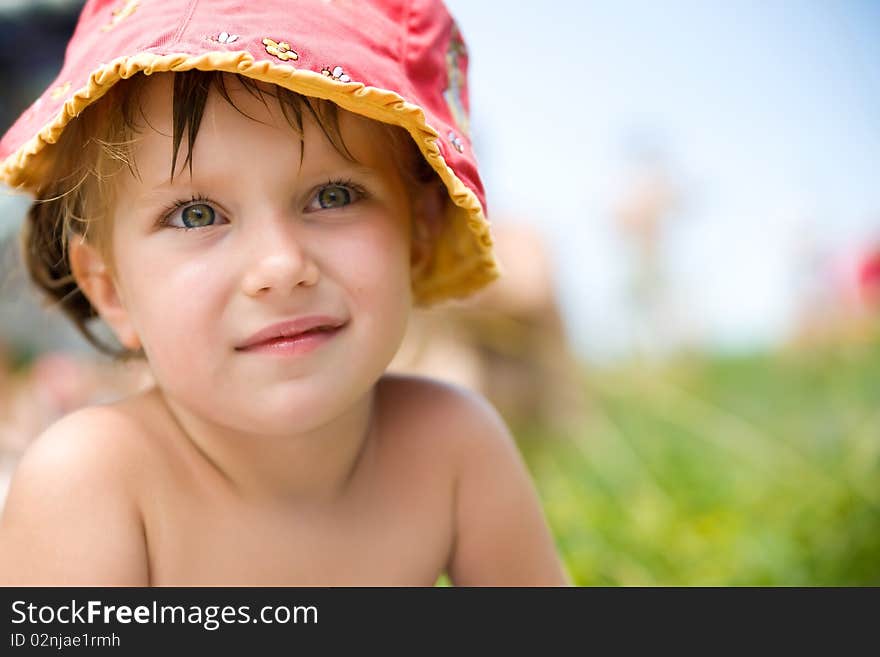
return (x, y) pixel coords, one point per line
(309, 467)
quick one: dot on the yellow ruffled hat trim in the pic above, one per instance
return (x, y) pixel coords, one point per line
(462, 261)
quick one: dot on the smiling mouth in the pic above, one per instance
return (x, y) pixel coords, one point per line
(297, 343)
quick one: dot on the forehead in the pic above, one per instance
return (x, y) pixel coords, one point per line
(252, 123)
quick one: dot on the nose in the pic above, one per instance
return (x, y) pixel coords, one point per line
(279, 261)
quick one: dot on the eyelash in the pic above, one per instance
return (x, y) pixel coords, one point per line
(359, 193)
(177, 205)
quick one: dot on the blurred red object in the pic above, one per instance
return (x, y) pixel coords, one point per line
(869, 278)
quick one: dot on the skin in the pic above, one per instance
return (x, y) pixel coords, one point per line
(249, 469)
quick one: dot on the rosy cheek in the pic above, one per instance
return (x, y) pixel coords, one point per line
(174, 302)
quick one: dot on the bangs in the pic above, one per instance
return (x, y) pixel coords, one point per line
(191, 91)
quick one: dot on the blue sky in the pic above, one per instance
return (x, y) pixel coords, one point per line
(766, 115)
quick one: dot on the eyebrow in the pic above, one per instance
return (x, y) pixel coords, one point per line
(183, 181)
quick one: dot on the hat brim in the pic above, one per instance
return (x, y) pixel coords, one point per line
(462, 260)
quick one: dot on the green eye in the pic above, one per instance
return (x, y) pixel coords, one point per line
(196, 216)
(334, 196)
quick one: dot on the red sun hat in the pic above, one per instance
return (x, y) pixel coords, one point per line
(401, 62)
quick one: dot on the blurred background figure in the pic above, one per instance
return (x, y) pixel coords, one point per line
(509, 342)
(643, 212)
(841, 297)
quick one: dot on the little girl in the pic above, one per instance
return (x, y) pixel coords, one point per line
(253, 200)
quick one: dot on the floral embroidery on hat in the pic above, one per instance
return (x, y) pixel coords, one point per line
(121, 14)
(60, 91)
(456, 142)
(456, 63)
(336, 73)
(280, 49)
(223, 37)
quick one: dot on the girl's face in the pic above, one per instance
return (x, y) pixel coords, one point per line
(260, 234)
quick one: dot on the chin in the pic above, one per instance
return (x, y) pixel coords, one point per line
(299, 405)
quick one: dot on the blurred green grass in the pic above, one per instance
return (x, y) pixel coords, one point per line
(758, 470)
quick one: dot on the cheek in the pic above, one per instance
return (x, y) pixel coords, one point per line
(376, 263)
(172, 304)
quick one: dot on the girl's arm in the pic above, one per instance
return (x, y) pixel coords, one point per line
(501, 537)
(70, 517)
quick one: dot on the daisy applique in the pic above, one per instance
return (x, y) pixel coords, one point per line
(224, 37)
(121, 14)
(60, 91)
(336, 73)
(456, 142)
(280, 49)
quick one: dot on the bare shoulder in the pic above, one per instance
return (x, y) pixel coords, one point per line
(453, 417)
(500, 534)
(92, 448)
(107, 439)
(71, 515)
(431, 428)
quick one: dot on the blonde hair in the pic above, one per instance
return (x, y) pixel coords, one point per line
(79, 169)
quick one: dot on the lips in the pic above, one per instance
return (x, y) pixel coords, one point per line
(289, 329)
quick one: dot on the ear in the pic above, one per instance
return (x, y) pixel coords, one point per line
(429, 214)
(95, 280)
